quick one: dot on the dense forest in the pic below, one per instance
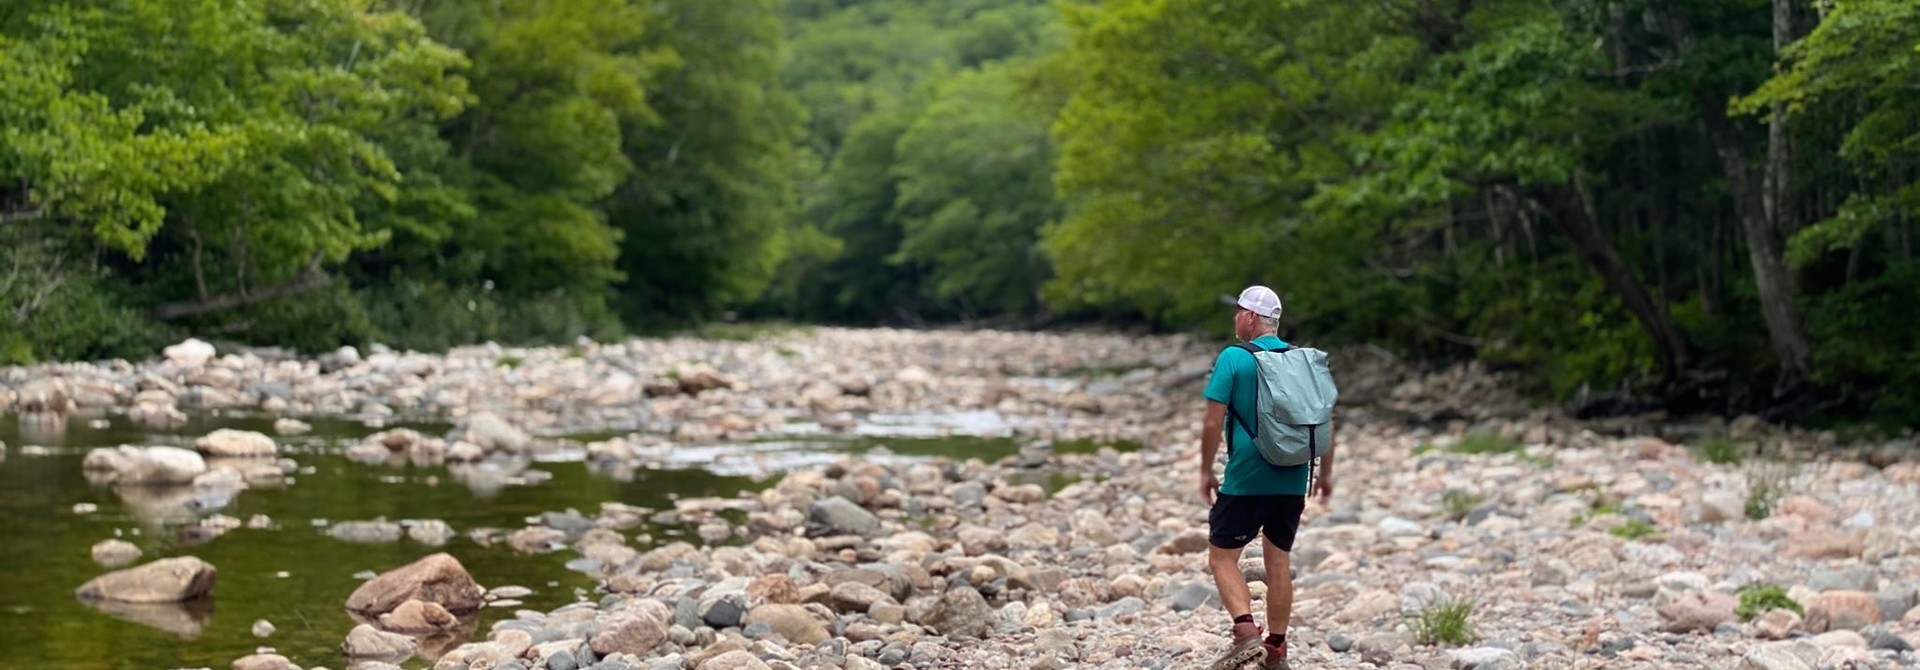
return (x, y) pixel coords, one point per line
(1706, 205)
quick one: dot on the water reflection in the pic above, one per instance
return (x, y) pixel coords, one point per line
(43, 428)
(186, 619)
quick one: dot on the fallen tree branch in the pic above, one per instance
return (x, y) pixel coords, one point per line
(309, 279)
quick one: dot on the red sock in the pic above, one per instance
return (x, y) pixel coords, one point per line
(1244, 618)
(1276, 640)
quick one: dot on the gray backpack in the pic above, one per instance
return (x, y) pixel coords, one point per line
(1296, 397)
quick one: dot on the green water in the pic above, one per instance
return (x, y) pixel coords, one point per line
(44, 554)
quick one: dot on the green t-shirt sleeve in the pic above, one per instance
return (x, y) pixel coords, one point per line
(1220, 383)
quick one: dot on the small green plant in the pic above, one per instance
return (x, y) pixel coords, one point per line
(1423, 450)
(1634, 529)
(1721, 451)
(1446, 623)
(1480, 443)
(1599, 510)
(1765, 486)
(1758, 599)
(574, 351)
(511, 362)
(1460, 503)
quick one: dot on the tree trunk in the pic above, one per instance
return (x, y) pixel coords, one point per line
(312, 278)
(1779, 177)
(1764, 249)
(1570, 207)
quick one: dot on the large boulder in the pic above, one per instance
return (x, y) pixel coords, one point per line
(438, 579)
(143, 465)
(229, 443)
(1842, 610)
(168, 580)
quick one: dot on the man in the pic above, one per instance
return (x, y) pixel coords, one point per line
(1257, 497)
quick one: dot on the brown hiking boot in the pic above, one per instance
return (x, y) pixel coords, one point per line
(1246, 648)
(1276, 658)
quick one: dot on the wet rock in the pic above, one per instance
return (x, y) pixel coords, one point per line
(264, 662)
(115, 553)
(228, 443)
(536, 540)
(438, 579)
(368, 642)
(143, 465)
(432, 532)
(163, 581)
(366, 532)
(492, 433)
(415, 616)
(285, 426)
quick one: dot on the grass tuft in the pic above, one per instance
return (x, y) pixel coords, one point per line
(1447, 623)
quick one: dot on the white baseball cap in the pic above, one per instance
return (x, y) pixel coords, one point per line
(1260, 300)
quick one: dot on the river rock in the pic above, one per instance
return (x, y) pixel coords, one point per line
(960, 612)
(143, 465)
(432, 532)
(189, 354)
(1486, 658)
(492, 433)
(368, 642)
(416, 616)
(229, 443)
(1840, 638)
(1776, 624)
(735, 660)
(1193, 596)
(366, 532)
(1796, 655)
(1842, 610)
(286, 426)
(264, 662)
(839, 516)
(793, 622)
(629, 632)
(263, 628)
(1698, 612)
(115, 553)
(857, 598)
(1366, 607)
(438, 579)
(166, 580)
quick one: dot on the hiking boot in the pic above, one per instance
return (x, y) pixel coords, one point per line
(1276, 658)
(1246, 648)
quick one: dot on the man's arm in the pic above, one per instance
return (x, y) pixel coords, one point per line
(1323, 481)
(1210, 432)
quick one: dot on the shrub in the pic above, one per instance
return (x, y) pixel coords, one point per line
(1480, 443)
(1445, 623)
(1758, 599)
(1634, 529)
(1460, 503)
(1721, 451)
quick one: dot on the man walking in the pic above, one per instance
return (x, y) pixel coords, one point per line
(1257, 497)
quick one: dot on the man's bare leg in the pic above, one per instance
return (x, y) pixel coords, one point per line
(1279, 587)
(1234, 595)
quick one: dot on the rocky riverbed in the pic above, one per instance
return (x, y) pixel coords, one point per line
(1577, 545)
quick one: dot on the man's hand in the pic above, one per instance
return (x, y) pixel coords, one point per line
(1323, 487)
(1208, 486)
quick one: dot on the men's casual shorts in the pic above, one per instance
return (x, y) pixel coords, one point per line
(1235, 520)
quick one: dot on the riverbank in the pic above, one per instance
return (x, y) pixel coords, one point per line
(1577, 545)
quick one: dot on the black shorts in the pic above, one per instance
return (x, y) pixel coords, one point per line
(1236, 519)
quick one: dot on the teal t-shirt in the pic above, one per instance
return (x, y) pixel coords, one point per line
(1233, 383)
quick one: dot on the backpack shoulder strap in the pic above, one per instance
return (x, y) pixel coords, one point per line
(1250, 348)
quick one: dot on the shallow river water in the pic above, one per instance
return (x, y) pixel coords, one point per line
(296, 576)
